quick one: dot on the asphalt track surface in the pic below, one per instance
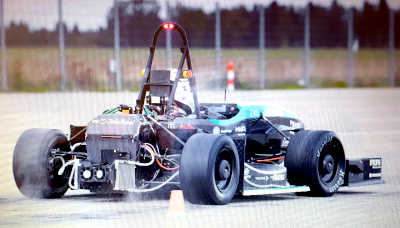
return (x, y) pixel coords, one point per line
(367, 121)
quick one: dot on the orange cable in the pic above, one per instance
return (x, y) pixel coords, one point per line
(271, 159)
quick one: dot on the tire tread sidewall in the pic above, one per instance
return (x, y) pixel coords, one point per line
(30, 162)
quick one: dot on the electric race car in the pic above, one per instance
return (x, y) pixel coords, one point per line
(211, 151)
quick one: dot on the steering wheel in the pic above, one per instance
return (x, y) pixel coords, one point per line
(178, 108)
(183, 106)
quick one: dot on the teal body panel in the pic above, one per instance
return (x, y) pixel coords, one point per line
(254, 111)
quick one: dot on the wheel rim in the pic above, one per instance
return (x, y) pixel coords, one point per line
(223, 169)
(328, 164)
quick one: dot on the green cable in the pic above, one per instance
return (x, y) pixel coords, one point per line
(111, 111)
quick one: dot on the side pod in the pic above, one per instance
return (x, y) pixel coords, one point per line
(363, 171)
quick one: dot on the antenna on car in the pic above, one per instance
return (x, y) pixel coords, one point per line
(225, 96)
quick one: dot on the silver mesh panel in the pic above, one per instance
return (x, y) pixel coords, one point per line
(124, 176)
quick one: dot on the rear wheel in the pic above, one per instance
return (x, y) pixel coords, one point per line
(209, 171)
(35, 169)
(316, 159)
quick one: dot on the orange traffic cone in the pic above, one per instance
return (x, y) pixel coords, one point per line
(176, 203)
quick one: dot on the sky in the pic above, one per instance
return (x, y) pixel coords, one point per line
(91, 14)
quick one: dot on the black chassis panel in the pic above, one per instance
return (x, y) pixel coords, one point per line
(257, 132)
(183, 128)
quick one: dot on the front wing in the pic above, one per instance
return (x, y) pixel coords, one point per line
(363, 171)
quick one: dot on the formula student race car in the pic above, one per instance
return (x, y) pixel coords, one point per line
(211, 151)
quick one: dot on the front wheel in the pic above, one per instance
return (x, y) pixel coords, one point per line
(209, 171)
(35, 169)
(316, 159)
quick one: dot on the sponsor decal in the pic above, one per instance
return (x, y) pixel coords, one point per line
(171, 126)
(339, 182)
(278, 177)
(375, 163)
(226, 131)
(263, 178)
(323, 144)
(375, 175)
(113, 121)
(216, 131)
(285, 142)
(254, 113)
(240, 129)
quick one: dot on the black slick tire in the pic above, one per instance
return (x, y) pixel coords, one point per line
(33, 167)
(209, 172)
(316, 159)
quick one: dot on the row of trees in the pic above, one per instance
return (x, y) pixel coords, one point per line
(284, 27)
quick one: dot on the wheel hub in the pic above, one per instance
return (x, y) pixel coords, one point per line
(224, 170)
(328, 163)
(327, 170)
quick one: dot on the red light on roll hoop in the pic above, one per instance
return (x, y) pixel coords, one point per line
(168, 26)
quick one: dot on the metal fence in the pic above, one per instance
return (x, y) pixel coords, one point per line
(89, 66)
